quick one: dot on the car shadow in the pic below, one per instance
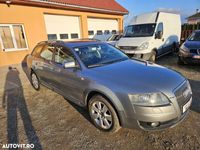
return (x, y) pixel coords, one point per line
(195, 85)
(14, 103)
(82, 110)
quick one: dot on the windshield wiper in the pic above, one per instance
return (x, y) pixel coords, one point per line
(113, 61)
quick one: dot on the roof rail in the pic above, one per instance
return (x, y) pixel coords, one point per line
(51, 41)
(90, 39)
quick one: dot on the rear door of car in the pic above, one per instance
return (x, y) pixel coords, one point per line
(44, 68)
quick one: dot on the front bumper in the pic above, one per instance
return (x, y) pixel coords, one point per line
(189, 57)
(166, 116)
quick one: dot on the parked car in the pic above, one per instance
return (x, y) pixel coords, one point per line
(113, 39)
(190, 50)
(116, 90)
(152, 35)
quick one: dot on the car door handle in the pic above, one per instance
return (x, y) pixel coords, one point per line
(163, 39)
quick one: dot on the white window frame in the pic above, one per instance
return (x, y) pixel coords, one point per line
(13, 38)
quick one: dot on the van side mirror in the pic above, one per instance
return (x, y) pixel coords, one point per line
(69, 65)
(159, 35)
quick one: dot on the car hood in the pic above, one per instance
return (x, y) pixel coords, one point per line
(133, 41)
(192, 44)
(138, 77)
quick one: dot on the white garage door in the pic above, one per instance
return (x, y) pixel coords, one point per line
(62, 27)
(102, 28)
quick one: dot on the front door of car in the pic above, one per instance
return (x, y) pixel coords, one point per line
(159, 41)
(68, 81)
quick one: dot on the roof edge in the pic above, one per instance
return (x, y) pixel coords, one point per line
(74, 7)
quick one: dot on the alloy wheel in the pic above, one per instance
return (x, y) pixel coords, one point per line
(101, 114)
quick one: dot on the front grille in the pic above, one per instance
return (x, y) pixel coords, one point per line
(128, 47)
(181, 99)
(195, 51)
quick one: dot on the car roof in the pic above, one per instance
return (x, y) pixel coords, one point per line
(72, 44)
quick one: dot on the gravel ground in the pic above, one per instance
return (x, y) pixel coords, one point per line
(51, 122)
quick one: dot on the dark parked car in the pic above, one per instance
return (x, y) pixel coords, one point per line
(190, 49)
(117, 91)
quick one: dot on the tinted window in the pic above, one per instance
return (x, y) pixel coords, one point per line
(37, 50)
(99, 32)
(52, 37)
(74, 35)
(195, 36)
(64, 36)
(90, 32)
(47, 52)
(63, 55)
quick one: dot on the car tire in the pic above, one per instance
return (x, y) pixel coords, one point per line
(103, 115)
(35, 81)
(153, 56)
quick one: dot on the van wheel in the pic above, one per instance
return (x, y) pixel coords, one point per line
(153, 56)
(174, 49)
(103, 114)
(35, 81)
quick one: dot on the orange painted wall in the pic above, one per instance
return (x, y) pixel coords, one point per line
(33, 20)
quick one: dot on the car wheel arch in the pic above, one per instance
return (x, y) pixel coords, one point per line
(92, 93)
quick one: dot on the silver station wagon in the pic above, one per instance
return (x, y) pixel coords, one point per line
(116, 90)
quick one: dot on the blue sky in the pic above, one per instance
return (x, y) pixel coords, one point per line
(135, 7)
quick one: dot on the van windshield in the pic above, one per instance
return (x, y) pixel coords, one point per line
(140, 30)
(195, 36)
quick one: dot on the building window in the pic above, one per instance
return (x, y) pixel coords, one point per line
(99, 32)
(114, 32)
(64, 36)
(52, 36)
(74, 35)
(90, 32)
(12, 37)
(106, 32)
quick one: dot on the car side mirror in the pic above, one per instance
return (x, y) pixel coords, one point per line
(69, 65)
(159, 35)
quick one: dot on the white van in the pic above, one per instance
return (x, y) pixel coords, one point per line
(151, 35)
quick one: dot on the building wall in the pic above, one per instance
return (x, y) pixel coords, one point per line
(193, 21)
(33, 20)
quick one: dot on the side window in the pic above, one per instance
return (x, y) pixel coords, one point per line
(63, 55)
(47, 52)
(37, 50)
(160, 27)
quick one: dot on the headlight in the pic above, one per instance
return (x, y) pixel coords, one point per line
(184, 48)
(149, 99)
(143, 46)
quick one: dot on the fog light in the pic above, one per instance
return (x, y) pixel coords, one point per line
(155, 124)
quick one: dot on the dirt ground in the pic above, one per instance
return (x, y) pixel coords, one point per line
(49, 121)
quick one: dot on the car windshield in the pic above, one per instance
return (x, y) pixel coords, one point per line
(195, 36)
(140, 30)
(96, 55)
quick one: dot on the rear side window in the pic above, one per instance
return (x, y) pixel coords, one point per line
(37, 50)
(47, 52)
